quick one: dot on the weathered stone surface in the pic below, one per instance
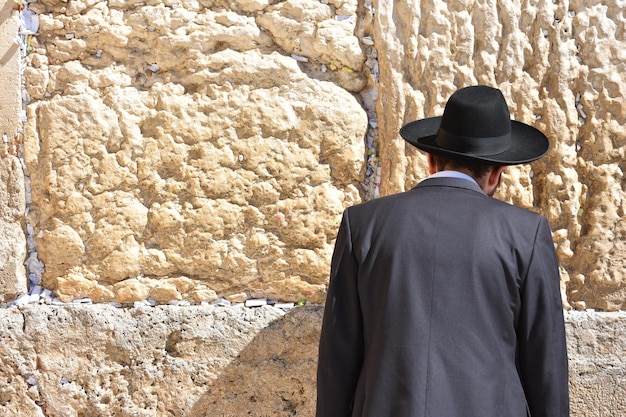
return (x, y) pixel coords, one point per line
(273, 375)
(182, 140)
(219, 142)
(104, 361)
(98, 360)
(175, 145)
(597, 355)
(13, 281)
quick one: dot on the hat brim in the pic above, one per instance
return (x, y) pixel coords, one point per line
(527, 143)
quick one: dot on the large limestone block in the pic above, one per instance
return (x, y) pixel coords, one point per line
(273, 375)
(201, 361)
(562, 68)
(173, 155)
(13, 281)
(104, 361)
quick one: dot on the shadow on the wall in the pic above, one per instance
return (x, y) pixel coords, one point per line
(6, 11)
(10, 53)
(5, 14)
(274, 375)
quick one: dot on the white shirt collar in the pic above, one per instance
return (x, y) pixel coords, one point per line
(453, 174)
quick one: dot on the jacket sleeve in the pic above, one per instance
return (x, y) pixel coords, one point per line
(341, 341)
(542, 350)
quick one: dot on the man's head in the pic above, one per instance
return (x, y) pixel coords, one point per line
(476, 128)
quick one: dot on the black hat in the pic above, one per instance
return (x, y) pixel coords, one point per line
(476, 125)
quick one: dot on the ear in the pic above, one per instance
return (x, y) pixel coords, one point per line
(494, 176)
(432, 165)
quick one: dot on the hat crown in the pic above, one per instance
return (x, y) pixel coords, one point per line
(477, 112)
(476, 121)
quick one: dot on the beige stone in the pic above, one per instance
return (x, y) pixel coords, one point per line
(159, 183)
(79, 280)
(206, 361)
(221, 142)
(13, 249)
(313, 30)
(596, 352)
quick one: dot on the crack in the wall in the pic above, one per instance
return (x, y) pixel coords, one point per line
(371, 185)
(28, 28)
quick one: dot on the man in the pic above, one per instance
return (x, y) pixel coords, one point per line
(444, 302)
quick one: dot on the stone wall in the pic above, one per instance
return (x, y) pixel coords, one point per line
(203, 149)
(178, 150)
(206, 361)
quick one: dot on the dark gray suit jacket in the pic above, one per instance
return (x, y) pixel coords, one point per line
(443, 302)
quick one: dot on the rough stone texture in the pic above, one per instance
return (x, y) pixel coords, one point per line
(597, 354)
(12, 198)
(202, 149)
(274, 375)
(106, 361)
(130, 357)
(201, 361)
(562, 67)
(178, 151)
